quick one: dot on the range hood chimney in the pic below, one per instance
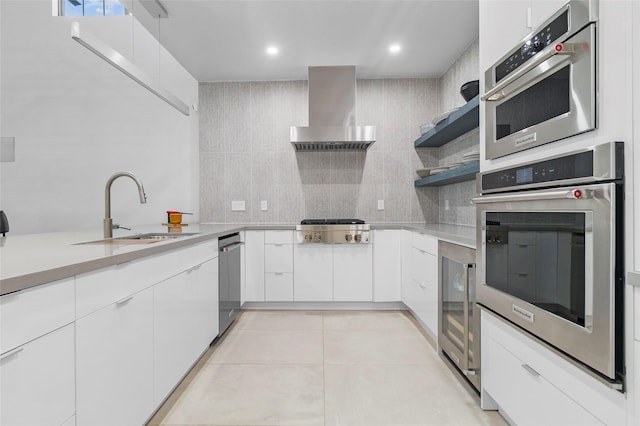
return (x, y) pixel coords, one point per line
(332, 113)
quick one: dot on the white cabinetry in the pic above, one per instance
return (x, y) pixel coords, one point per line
(313, 272)
(352, 273)
(37, 355)
(420, 280)
(635, 145)
(185, 316)
(387, 265)
(505, 23)
(38, 381)
(278, 266)
(254, 266)
(533, 385)
(114, 363)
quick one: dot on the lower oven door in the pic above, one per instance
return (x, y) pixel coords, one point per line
(554, 100)
(548, 264)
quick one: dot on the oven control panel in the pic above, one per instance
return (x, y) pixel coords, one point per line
(557, 169)
(550, 33)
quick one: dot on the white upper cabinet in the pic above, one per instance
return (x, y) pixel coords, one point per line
(503, 23)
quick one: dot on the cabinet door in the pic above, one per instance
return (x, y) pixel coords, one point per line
(278, 258)
(254, 266)
(114, 363)
(425, 294)
(38, 381)
(278, 287)
(636, 134)
(387, 265)
(205, 319)
(503, 23)
(541, 10)
(313, 273)
(352, 273)
(407, 277)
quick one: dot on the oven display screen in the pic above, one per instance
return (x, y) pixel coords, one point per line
(524, 175)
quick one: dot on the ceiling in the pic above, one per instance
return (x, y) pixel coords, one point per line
(227, 40)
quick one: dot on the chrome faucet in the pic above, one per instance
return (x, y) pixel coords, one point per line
(108, 223)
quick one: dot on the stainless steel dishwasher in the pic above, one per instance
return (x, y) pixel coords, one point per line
(228, 279)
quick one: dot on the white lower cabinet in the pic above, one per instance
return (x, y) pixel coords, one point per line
(206, 319)
(313, 272)
(420, 278)
(254, 266)
(532, 385)
(424, 292)
(352, 273)
(523, 392)
(38, 381)
(278, 287)
(387, 265)
(114, 363)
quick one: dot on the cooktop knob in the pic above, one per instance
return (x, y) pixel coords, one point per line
(357, 237)
(348, 237)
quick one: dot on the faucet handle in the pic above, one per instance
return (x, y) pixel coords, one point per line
(116, 226)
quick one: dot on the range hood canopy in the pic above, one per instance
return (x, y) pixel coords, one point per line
(332, 113)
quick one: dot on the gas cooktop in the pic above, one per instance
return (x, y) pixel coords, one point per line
(332, 222)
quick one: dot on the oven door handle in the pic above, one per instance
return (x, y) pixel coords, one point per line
(498, 93)
(572, 194)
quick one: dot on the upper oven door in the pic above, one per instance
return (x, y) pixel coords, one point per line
(551, 97)
(546, 263)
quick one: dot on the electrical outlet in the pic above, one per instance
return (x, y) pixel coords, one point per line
(264, 206)
(446, 204)
(237, 206)
(380, 204)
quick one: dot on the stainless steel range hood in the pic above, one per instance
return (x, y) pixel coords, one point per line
(332, 113)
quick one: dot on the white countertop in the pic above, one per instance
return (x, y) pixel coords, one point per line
(34, 259)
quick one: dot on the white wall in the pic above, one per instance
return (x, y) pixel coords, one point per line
(77, 120)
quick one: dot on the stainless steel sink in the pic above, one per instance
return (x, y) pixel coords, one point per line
(157, 236)
(148, 238)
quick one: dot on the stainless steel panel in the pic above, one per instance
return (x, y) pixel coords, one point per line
(332, 96)
(459, 321)
(229, 280)
(333, 234)
(593, 344)
(582, 90)
(606, 157)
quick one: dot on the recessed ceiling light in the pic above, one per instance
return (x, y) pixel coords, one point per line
(395, 48)
(272, 50)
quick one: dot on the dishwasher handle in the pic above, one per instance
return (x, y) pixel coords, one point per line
(231, 247)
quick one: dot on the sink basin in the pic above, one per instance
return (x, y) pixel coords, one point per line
(157, 236)
(148, 238)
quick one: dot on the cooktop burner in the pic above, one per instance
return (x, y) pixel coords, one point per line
(332, 222)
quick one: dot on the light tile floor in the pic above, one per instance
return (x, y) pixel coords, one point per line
(331, 368)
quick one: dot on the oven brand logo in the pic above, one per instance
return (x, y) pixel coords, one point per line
(522, 312)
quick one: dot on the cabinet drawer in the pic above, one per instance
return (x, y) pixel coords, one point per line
(278, 287)
(278, 237)
(38, 381)
(515, 385)
(278, 258)
(31, 313)
(425, 242)
(424, 268)
(200, 253)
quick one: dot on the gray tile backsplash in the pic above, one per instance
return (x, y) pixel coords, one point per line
(246, 155)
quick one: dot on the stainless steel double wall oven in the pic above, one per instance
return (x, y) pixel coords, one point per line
(544, 89)
(550, 253)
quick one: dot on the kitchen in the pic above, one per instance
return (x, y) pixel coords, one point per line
(47, 189)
